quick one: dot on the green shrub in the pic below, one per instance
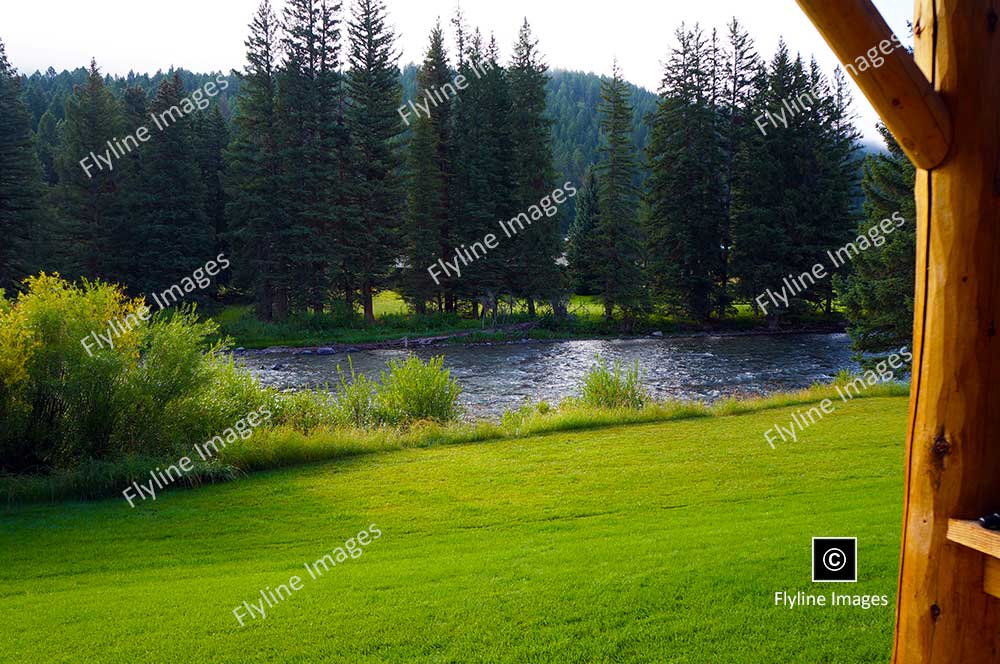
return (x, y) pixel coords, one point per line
(610, 387)
(160, 388)
(412, 390)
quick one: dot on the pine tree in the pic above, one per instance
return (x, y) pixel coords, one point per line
(316, 180)
(47, 141)
(686, 190)
(373, 123)
(584, 248)
(254, 208)
(835, 214)
(126, 239)
(537, 275)
(741, 66)
(20, 180)
(878, 294)
(211, 136)
(429, 170)
(620, 262)
(773, 208)
(176, 236)
(471, 153)
(89, 198)
(483, 186)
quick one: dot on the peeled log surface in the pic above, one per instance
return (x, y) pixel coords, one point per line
(898, 91)
(953, 446)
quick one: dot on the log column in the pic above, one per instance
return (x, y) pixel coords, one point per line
(953, 443)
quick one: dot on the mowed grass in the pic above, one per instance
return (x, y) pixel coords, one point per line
(649, 543)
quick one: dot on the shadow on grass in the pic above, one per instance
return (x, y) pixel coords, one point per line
(284, 446)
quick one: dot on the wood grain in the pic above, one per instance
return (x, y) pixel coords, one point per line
(991, 577)
(974, 536)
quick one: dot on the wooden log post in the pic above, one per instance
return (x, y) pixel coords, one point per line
(944, 613)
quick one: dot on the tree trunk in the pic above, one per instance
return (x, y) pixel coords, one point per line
(263, 301)
(558, 305)
(280, 303)
(368, 302)
(531, 306)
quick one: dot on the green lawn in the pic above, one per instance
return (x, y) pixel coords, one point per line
(652, 543)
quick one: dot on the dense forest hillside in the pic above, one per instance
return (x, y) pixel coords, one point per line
(573, 98)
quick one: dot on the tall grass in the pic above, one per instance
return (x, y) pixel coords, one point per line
(408, 392)
(613, 387)
(413, 390)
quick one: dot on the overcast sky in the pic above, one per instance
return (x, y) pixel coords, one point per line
(208, 35)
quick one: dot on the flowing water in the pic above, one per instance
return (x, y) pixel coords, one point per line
(501, 376)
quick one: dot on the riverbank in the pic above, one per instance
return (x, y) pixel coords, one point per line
(528, 332)
(395, 327)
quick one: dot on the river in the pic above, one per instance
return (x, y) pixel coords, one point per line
(501, 376)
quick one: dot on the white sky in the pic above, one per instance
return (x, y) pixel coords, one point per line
(208, 35)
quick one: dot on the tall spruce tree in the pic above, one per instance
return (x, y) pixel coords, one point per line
(89, 198)
(137, 198)
(211, 136)
(254, 206)
(741, 67)
(483, 188)
(620, 262)
(374, 125)
(20, 181)
(772, 213)
(584, 248)
(316, 180)
(530, 130)
(428, 181)
(836, 213)
(878, 293)
(176, 235)
(47, 141)
(686, 189)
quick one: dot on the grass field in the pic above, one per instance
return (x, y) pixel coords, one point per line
(648, 543)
